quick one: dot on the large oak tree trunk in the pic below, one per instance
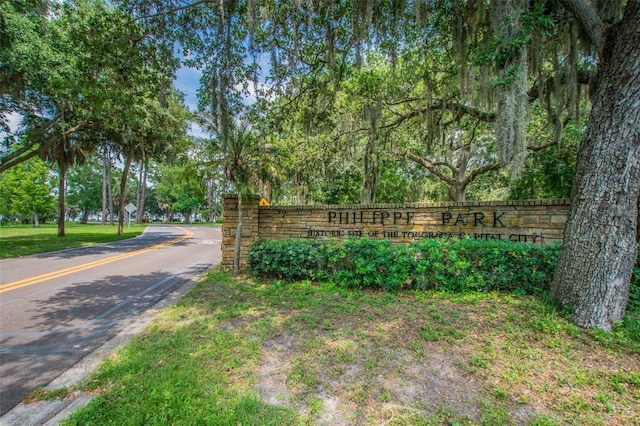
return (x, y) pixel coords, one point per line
(458, 192)
(600, 247)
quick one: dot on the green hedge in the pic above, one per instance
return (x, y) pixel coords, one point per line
(364, 263)
(478, 265)
(448, 265)
(288, 259)
(439, 264)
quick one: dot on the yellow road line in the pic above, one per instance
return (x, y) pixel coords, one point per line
(62, 272)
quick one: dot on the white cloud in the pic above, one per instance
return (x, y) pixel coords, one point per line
(197, 131)
(251, 96)
(13, 121)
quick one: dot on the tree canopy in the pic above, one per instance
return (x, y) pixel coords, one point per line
(468, 76)
(79, 75)
(457, 97)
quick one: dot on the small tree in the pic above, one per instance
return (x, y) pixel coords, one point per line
(244, 162)
(84, 186)
(25, 190)
(66, 153)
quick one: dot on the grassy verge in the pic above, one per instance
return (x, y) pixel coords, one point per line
(243, 351)
(23, 240)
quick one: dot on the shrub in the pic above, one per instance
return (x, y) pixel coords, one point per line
(364, 263)
(288, 259)
(478, 265)
(447, 265)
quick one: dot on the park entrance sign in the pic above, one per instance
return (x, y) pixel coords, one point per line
(538, 222)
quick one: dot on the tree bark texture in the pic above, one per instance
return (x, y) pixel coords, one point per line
(142, 186)
(61, 193)
(600, 246)
(103, 221)
(123, 195)
(110, 191)
(371, 170)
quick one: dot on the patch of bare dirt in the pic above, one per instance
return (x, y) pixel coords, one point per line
(272, 372)
(442, 362)
(404, 388)
(434, 382)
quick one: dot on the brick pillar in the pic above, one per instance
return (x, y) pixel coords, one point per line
(250, 231)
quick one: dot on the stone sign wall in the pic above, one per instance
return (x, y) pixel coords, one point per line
(537, 222)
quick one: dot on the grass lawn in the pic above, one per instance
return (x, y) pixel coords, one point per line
(23, 240)
(242, 351)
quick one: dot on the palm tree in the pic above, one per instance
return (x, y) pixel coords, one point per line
(245, 162)
(68, 150)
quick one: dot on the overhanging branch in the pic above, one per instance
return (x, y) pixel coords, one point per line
(588, 18)
(432, 167)
(34, 148)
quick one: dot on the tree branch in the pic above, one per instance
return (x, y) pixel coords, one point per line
(173, 10)
(441, 104)
(583, 77)
(477, 172)
(11, 160)
(23, 154)
(588, 18)
(432, 168)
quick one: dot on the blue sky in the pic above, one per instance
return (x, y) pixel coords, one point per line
(187, 81)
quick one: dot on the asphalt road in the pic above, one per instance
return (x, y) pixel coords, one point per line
(55, 308)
